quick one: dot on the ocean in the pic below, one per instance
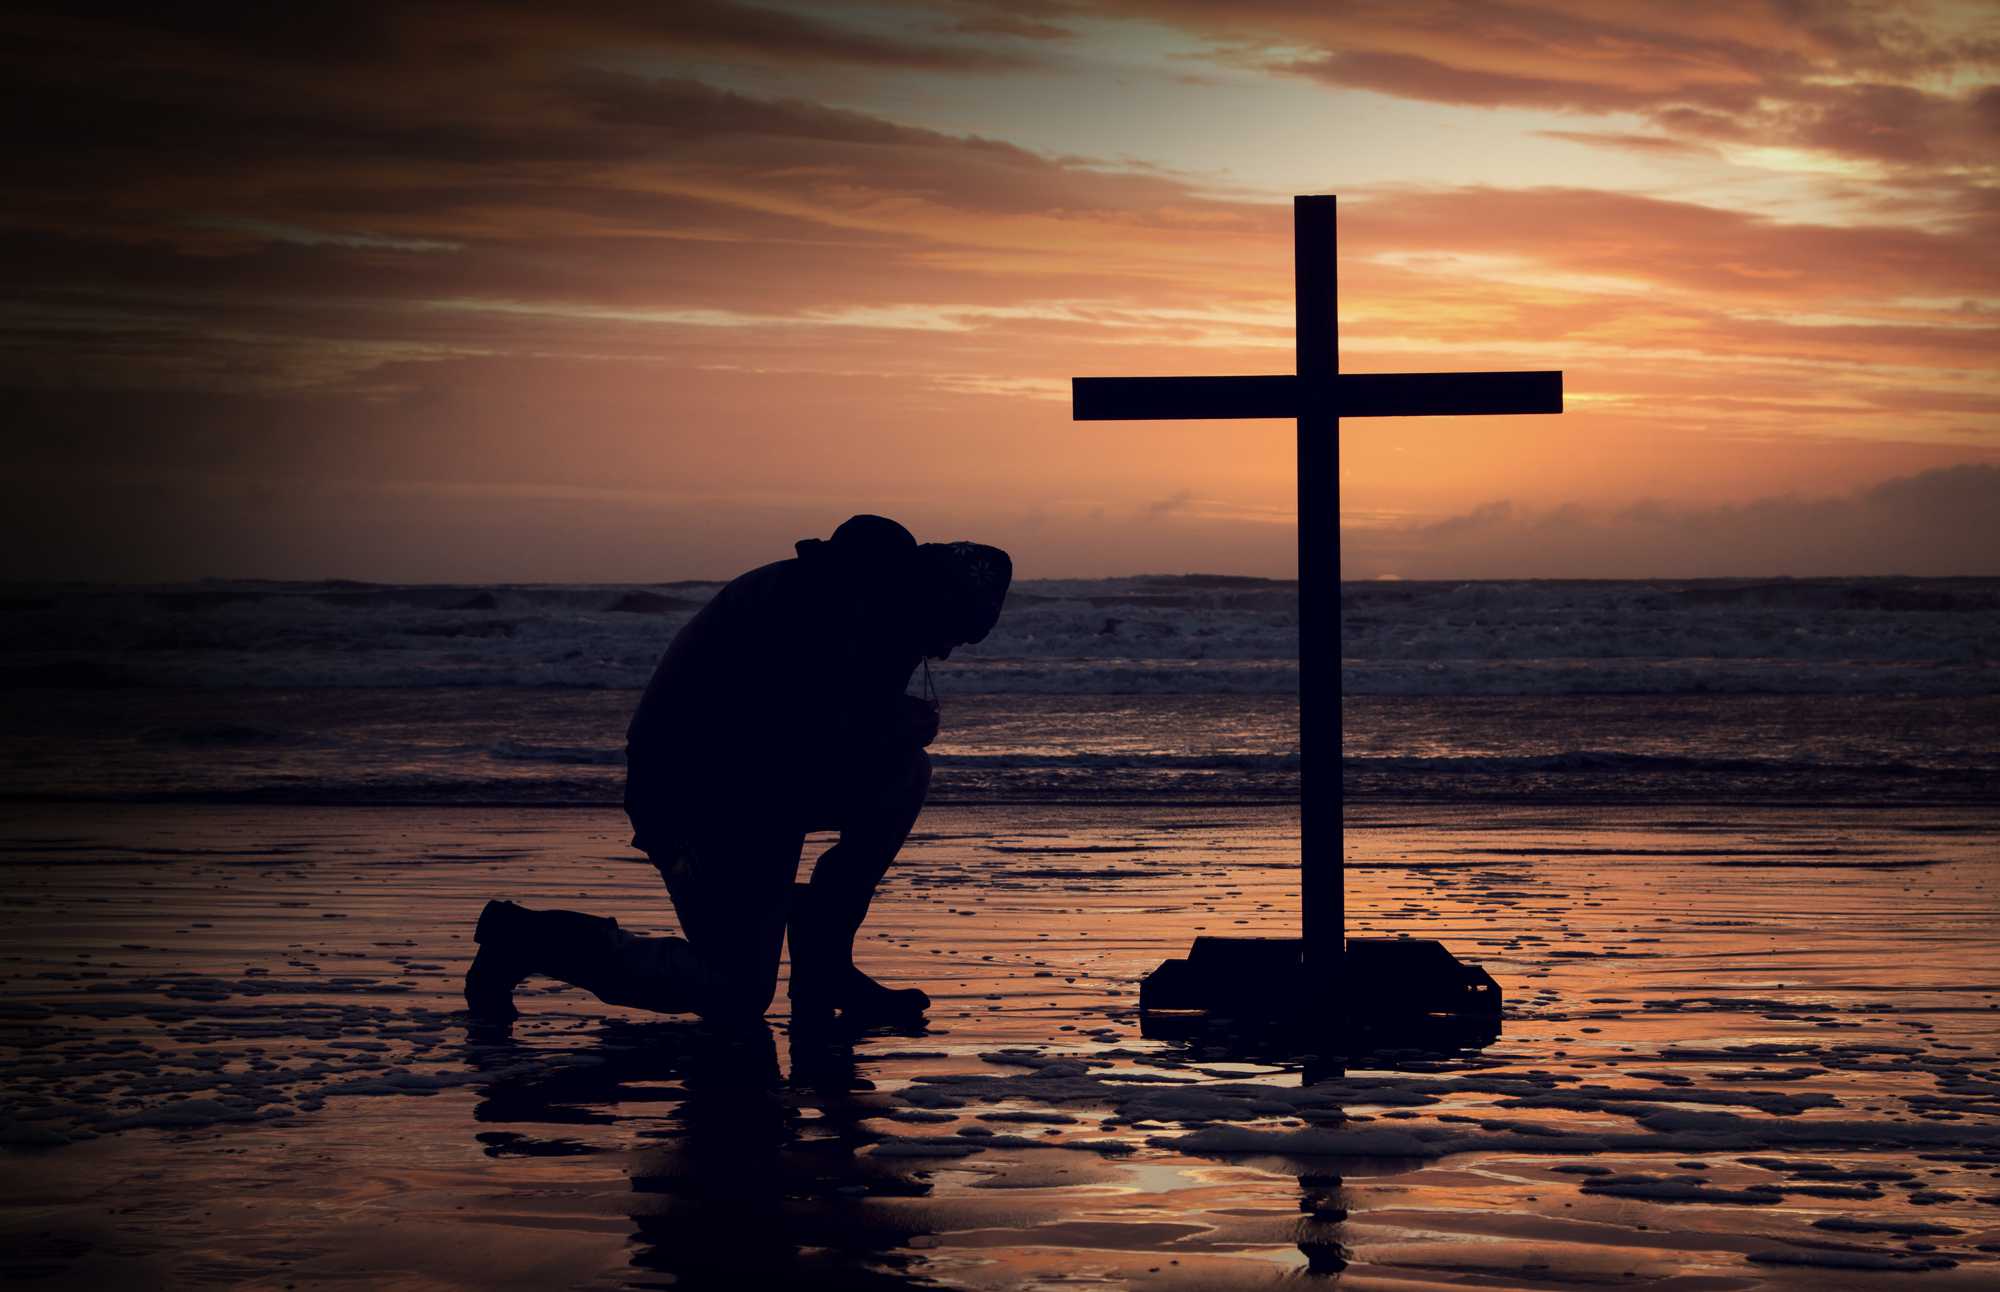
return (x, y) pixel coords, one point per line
(1730, 849)
(1167, 689)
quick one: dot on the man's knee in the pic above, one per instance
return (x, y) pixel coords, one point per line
(740, 996)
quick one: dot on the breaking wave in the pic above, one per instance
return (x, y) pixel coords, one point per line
(1145, 635)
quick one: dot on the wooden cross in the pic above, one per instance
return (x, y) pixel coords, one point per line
(1318, 395)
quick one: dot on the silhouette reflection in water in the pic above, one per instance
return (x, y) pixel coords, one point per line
(749, 1167)
(756, 1181)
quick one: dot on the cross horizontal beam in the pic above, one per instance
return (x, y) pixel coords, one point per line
(1373, 394)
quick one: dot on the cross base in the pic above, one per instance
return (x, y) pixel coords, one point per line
(1402, 992)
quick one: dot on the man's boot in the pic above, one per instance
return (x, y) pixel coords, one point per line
(587, 951)
(824, 977)
(500, 964)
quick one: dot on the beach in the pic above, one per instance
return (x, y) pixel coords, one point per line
(1397, 607)
(1731, 849)
(1741, 1049)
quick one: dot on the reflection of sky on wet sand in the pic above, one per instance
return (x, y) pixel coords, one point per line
(1742, 1046)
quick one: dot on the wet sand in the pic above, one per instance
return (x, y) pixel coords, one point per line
(1743, 1048)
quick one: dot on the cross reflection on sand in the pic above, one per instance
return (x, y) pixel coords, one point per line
(1742, 1048)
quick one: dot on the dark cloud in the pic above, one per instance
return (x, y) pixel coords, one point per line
(1825, 75)
(761, 34)
(318, 31)
(199, 94)
(321, 203)
(1941, 522)
(996, 23)
(669, 110)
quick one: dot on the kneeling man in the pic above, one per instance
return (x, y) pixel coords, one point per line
(778, 709)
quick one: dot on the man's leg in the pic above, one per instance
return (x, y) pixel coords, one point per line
(587, 951)
(830, 910)
(734, 896)
(733, 910)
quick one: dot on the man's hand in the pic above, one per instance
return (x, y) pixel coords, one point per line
(920, 720)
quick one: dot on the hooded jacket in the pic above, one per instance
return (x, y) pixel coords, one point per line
(782, 690)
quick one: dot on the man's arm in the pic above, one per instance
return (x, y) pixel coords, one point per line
(869, 669)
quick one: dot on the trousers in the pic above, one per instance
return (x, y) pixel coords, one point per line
(732, 884)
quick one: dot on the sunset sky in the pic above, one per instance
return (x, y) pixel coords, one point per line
(641, 291)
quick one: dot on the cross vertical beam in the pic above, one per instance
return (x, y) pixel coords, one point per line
(1322, 839)
(1243, 982)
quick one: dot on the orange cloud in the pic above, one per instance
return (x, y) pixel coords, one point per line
(246, 261)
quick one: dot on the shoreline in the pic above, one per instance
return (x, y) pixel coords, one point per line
(1707, 1071)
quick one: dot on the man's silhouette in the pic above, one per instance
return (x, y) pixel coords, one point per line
(779, 709)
